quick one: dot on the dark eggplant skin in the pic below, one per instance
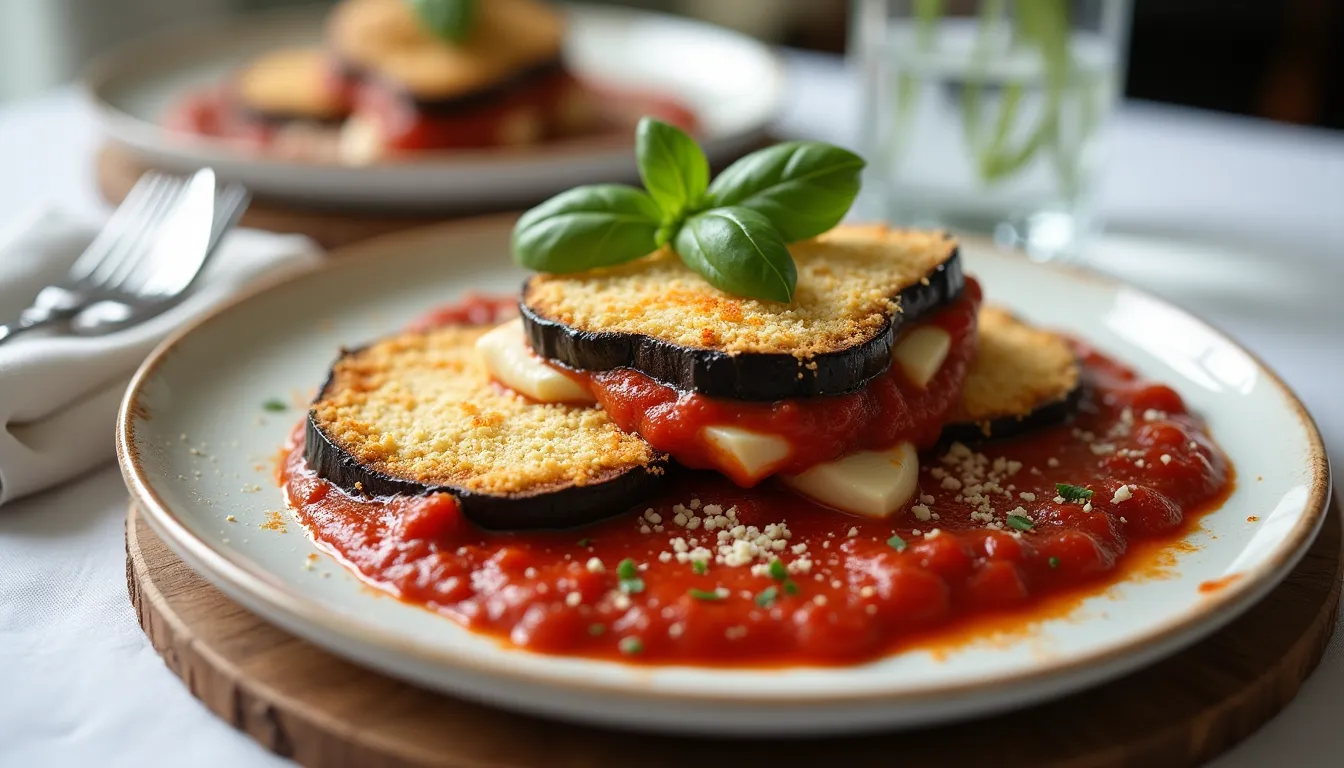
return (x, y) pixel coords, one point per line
(465, 103)
(1044, 415)
(566, 507)
(746, 376)
(277, 119)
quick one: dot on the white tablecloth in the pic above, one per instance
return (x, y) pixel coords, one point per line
(1259, 211)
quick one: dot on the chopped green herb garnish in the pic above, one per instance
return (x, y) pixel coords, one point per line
(596, 629)
(777, 570)
(896, 543)
(1020, 523)
(630, 645)
(585, 542)
(1072, 492)
(709, 595)
(275, 405)
(699, 566)
(628, 573)
(767, 597)
(790, 587)
(1054, 562)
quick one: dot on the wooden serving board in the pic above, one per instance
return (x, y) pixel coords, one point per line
(301, 702)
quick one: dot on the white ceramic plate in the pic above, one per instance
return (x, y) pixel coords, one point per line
(208, 385)
(731, 82)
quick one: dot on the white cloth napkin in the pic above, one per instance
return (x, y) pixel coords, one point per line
(59, 394)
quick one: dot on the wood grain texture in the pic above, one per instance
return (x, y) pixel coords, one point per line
(304, 703)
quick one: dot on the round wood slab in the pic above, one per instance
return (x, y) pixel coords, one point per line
(304, 703)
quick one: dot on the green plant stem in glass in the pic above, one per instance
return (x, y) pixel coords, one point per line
(997, 144)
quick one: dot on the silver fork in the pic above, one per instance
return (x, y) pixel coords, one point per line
(178, 258)
(148, 254)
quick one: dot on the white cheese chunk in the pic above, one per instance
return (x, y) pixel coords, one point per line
(360, 142)
(754, 454)
(921, 352)
(511, 362)
(869, 483)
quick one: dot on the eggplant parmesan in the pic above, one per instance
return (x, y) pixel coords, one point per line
(858, 287)
(821, 481)
(814, 569)
(504, 84)
(418, 414)
(383, 85)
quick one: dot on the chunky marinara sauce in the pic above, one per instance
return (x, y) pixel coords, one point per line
(888, 410)
(712, 573)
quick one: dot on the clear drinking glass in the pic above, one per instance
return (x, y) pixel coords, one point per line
(987, 115)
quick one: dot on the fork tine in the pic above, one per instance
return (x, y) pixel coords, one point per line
(131, 208)
(147, 255)
(229, 206)
(232, 201)
(130, 251)
(182, 243)
(123, 249)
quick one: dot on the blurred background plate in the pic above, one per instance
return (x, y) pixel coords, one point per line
(731, 82)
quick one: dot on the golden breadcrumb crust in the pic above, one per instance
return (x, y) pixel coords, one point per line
(421, 407)
(386, 38)
(1017, 369)
(293, 82)
(848, 282)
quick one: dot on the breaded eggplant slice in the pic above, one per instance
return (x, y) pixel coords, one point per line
(1023, 378)
(291, 84)
(417, 413)
(858, 286)
(510, 41)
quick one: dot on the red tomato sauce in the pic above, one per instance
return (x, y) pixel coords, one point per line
(472, 309)
(405, 125)
(212, 113)
(888, 410)
(995, 540)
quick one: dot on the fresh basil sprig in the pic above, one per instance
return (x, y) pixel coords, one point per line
(738, 251)
(672, 166)
(585, 227)
(733, 231)
(450, 20)
(803, 187)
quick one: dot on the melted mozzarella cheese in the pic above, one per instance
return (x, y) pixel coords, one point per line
(754, 454)
(869, 483)
(361, 141)
(511, 362)
(921, 352)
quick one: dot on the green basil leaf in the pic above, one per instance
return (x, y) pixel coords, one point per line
(586, 227)
(451, 20)
(738, 251)
(803, 187)
(672, 165)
